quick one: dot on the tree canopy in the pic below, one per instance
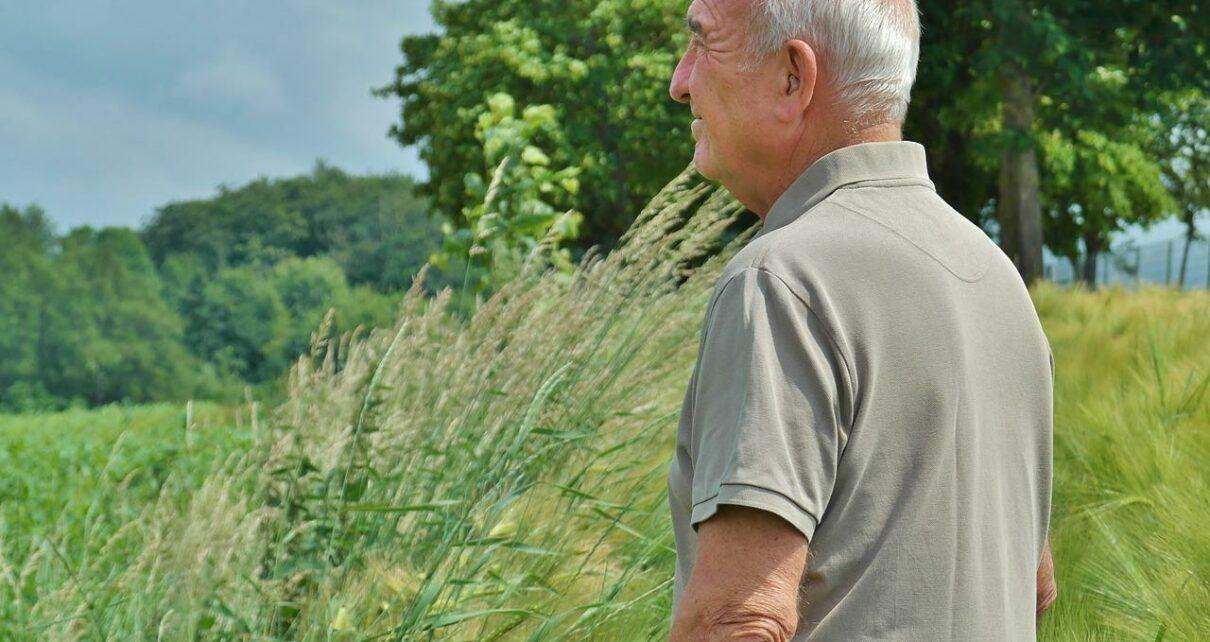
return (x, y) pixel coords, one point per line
(602, 64)
(1028, 108)
(212, 294)
(374, 227)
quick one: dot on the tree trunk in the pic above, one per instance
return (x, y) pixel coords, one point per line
(1190, 235)
(1019, 209)
(1092, 249)
(951, 175)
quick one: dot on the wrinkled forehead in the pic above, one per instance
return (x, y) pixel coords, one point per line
(708, 16)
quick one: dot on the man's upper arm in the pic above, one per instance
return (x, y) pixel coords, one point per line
(770, 405)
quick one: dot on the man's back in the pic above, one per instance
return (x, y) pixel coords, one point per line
(930, 500)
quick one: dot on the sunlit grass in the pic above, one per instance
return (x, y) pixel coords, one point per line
(77, 489)
(1131, 526)
(503, 477)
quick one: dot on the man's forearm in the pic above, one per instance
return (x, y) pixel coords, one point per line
(695, 626)
(1048, 590)
(745, 581)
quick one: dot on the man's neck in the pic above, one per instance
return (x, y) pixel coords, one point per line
(805, 155)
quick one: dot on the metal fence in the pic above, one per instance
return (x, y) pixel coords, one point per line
(1130, 265)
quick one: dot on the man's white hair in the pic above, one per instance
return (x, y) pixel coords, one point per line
(869, 48)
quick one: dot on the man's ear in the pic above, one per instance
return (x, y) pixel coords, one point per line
(797, 71)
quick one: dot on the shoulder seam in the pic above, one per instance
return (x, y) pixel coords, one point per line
(848, 368)
(709, 320)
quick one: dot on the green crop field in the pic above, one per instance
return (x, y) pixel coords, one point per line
(503, 477)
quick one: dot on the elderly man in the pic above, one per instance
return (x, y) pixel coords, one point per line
(864, 449)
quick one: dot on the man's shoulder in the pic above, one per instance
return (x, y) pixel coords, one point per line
(863, 230)
(800, 252)
(777, 262)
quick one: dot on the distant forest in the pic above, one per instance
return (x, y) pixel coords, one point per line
(209, 296)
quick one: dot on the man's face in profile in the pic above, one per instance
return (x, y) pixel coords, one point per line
(729, 124)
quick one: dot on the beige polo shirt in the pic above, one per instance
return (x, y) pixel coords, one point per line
(872, 370)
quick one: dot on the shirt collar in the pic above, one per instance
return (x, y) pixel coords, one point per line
(886, 160)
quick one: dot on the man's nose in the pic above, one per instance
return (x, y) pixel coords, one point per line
(678, 88)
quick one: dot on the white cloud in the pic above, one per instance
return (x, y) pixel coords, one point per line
(235, 78)
(106, 113)
(89, 153)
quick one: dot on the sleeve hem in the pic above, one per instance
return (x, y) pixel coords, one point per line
(755, 497)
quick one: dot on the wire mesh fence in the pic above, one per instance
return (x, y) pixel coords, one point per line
(1133, 264)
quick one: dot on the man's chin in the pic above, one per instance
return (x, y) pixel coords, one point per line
(703, 164)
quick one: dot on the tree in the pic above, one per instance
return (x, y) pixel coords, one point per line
(1184, 150)
(27, 241)
(1098, 185)
(83, 318)
(603, 65)
(108, 333)
(996, 78)
(1041, 66)
(373, 226)
(513, 217)
(308, 289)
(955, 109)
(239, 322)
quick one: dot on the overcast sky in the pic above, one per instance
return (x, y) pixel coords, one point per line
(109, 108)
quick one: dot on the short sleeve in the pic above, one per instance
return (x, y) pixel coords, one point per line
(767, 428)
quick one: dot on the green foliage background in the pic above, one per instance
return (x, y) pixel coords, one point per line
(1099, 79)
(546, 126)
(602, 64)
(211, 294)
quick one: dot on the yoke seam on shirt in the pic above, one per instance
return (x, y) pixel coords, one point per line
(849, 372)
(974, 279)
(823, 195)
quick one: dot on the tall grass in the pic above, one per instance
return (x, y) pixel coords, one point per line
(502, 477)
(76, 489)
(1131, 519)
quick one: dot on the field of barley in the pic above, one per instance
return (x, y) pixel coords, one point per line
(502, 477)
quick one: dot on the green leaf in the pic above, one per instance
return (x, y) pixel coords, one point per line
(404, 508)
